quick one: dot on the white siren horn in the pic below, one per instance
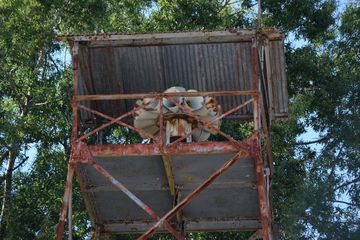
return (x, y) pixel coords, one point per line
(209, 112)
(170, 105)
(194, 103)
(146, 118)
(200, 135)
(152, 104)
(179, 124)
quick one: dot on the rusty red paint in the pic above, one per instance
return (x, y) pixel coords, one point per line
(184, 109)
(124, 150)
(75, 117)
(65, 204)
(115, 120)
(74, 134)
(181, 148)
(80, 154)
(263, 208)
(192, 195)
(208, 123)
(249, 147)
(232, 110)
(134, 198)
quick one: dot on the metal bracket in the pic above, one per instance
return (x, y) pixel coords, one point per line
(80, 153)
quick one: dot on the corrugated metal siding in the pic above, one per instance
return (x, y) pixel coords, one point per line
(278, 76)
(204, 67)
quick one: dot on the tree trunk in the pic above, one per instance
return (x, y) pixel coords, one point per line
(7, 193)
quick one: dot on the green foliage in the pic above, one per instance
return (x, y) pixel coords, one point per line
(35, 210)
(239, 131)
(324, 83)
(197, 15)
(316, 191)
(308, 19)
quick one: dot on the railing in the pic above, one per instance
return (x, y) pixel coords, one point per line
(251, 95)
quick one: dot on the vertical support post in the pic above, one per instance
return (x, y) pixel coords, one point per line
(65, 204)
(74, 136)
(260, 178)
(70, 215)
(75, 117)
(161, 125)
(264, 213)
(255, 81)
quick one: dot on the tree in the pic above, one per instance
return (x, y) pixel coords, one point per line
(328, 194)
(35, 93)
(323, 77)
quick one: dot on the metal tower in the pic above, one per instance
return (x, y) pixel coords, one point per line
(151, 186)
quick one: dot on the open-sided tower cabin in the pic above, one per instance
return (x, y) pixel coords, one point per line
(175, 186)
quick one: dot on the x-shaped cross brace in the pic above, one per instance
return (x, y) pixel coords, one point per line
(83, 155)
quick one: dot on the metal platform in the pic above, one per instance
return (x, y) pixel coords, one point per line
(230, 202)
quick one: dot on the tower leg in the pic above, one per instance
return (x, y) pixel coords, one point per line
(65, 204)
(264, 208)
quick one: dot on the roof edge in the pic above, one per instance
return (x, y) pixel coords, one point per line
(172, 37)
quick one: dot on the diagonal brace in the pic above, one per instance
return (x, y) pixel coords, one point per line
(115, 120)
(208, 123)
(192, 195)
(190, 113)
(140, 203)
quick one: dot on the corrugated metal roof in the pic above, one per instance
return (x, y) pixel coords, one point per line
(205, 61)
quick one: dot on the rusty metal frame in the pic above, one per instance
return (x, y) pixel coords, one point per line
(81, 153)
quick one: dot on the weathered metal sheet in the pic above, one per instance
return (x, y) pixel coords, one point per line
(278, 78)
(166, 38)
(230, 203)
(204, 225)
(188, 59)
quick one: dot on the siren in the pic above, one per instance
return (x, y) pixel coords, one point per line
(147, 118)
(178, 123)
(170, 105)
(194, 103)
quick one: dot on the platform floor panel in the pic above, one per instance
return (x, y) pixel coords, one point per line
(229, 203)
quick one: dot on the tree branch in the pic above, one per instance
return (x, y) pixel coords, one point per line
(55, 64)
(3, 156)
(312, 142)
(21, 163)
(223, 5)
(347, 183)
(333, 163)
(347, 203)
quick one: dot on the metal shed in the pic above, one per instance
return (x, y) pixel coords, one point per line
(177, 187)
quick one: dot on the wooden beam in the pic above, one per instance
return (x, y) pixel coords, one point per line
(169, 174)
